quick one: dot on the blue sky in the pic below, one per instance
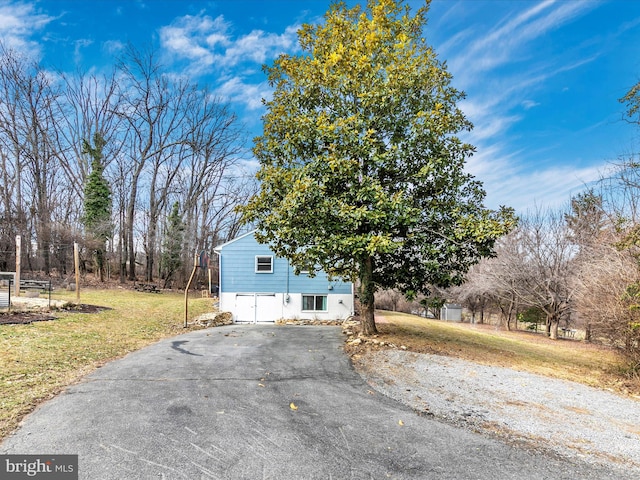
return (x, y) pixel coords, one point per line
(542, 78)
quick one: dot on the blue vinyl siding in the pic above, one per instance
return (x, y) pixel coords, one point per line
(238, 272)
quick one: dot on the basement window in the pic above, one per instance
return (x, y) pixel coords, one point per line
(314, 303)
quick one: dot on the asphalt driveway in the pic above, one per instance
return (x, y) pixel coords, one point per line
(260, 402)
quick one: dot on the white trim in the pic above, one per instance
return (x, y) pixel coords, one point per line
(220, 247)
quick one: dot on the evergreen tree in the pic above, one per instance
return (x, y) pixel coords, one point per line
(171, 259)
(97, 203)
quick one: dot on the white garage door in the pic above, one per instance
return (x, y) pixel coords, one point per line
(257, 308)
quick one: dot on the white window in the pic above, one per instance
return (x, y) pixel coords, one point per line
(264, 264)
(314, 303)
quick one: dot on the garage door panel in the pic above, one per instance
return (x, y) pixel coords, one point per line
(245, 308)
(268, 308)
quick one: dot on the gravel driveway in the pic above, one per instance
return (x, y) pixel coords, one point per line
(567, 418)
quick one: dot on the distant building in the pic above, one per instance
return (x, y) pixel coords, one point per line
(451, 312)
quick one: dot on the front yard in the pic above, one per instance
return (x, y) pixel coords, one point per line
(39, 359)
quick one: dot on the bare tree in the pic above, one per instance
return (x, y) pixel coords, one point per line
(550, 266)
(166, 140)
(609, 293)
(87, 107)
(27, 126)
(155, 108)
(182, 144)
(505, 276)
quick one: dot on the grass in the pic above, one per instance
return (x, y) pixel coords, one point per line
(38, 360)
(520, 350)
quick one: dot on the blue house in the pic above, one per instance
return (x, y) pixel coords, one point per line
(257, 286)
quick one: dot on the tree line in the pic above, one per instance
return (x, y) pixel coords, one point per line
(141, 167)
(571, 267)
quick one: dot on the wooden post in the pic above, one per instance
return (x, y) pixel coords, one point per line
(76, 261)
(18, 260)
(186, 291)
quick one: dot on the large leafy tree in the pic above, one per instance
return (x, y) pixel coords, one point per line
(361, 172)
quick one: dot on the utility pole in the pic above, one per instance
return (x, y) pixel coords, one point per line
(76, 261)
(186, 291)
(18, 257)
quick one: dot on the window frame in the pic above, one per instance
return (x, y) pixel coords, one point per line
(257, 263)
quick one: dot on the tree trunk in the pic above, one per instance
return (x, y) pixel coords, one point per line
(131, 246)
(367, 297)
(100, 253)
(555, 321)
(122, 247)
(131, 209)
(587, 332)
(151, 245)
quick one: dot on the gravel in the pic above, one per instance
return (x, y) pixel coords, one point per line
(567, 418)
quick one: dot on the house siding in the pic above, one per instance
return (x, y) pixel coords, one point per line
(259, 296)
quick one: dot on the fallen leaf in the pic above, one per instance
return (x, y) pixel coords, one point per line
(293, 406)
(260, 385)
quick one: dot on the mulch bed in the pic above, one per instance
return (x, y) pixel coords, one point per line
(25, 318)
(84, 308)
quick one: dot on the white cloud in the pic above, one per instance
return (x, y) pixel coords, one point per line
(18, 23)
(504, 43)
(507, 182)
(77, 51)
(549, 188)
(237, 91)
(113, 47)
(195, 38)
(259, 46)
(502, 74)
(206, 45)
(528, 104)
(209, 43)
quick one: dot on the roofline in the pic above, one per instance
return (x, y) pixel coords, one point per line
(220, 247)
